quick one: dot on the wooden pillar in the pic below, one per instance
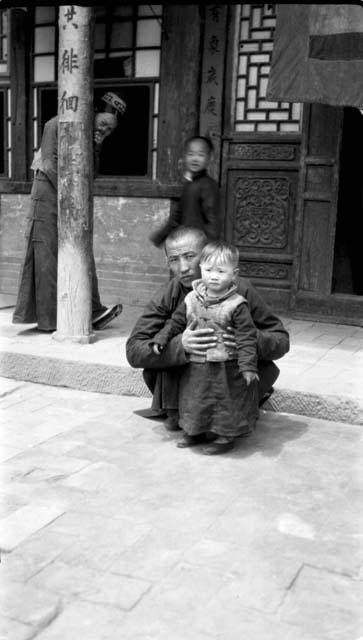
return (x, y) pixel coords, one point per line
(18, 61)
(211, 104)
(75, 173)
(179, 82)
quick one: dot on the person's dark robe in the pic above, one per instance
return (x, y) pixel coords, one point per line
(37, 290)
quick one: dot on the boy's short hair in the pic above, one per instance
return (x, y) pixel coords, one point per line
(207, 141)
(181, 232)
(222, 252)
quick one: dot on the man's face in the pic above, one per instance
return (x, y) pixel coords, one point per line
(183, 258)
(104, 125)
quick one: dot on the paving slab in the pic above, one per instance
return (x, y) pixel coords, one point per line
(123, 592)
(12, 630)
(339, 597)
(20, 524)
(159, 543)
(85, 620)
(28, 605)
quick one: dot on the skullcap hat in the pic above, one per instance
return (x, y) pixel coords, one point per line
(114, 103)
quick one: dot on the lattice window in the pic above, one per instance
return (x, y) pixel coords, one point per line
(3, 41)
(253, 112)
(126, 57)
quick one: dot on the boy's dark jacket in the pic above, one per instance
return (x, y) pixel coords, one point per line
(199, 206)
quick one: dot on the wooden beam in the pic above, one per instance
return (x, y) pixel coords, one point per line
(18, 83)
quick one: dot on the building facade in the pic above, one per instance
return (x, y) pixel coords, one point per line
(292, 188)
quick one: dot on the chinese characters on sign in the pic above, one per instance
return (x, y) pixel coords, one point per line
(69, 103)
(69, 15)
(214, 44)
(212, 74)
(210, 106)
(215, 12)
(69, 60)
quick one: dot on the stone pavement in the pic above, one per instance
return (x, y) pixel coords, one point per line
(321, 377)
(109, 531)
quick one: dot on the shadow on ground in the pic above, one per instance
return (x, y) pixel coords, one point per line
(268, 439)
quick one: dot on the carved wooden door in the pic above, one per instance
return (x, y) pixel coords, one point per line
(312, 295)
(260, 185)
(260, 163)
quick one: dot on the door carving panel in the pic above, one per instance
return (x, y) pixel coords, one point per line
(262, 212)
(260, 218)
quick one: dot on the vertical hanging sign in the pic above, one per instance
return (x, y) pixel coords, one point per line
(75, 172)
(211, 109)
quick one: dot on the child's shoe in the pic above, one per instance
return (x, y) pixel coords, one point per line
(219, 445)
(191, 441)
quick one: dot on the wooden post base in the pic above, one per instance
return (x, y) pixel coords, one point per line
(88, 339)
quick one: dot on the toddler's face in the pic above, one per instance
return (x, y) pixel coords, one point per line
(217, 276)
(197, 156)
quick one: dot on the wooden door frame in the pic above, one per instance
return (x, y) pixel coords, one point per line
(324, 305)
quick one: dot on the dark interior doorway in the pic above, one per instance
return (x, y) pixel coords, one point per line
(348, 251)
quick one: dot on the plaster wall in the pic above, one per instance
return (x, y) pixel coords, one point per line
(129, 268)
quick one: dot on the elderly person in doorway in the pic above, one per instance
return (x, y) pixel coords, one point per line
(183, 248)
(37, 292)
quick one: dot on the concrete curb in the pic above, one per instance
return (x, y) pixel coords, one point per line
(102, 378)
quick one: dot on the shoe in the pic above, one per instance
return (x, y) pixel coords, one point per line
(170, 425)
(190, 441)
(220, 445)
(106, 316)
(152, 414)
(265, 397)
(172, 421)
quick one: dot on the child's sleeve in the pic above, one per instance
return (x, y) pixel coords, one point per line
(175, 325)
(210, 207)
(174, 220)
(246, 338)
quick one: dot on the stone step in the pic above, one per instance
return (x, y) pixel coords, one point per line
(122, 380)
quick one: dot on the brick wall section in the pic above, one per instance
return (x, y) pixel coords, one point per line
(129, 268)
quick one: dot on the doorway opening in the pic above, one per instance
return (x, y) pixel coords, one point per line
(348, 253)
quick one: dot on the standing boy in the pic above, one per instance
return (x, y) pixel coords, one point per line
(199, 205)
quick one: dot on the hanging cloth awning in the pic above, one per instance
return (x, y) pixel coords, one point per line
(318, 55)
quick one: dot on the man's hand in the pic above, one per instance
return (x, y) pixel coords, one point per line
(197, 341)
(229, 338)
(249, 377)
